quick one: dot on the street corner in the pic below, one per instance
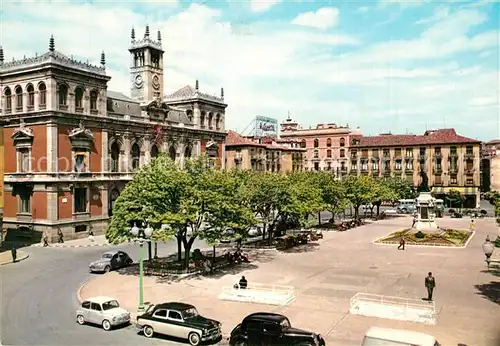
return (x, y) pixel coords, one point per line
(6, 257)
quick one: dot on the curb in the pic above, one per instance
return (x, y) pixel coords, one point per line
(79, 291)
(19, 259)
(374, 242)
(71, 246)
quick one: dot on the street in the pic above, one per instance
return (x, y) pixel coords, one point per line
(39, 299)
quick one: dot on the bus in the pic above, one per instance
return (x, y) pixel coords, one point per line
(406, 206)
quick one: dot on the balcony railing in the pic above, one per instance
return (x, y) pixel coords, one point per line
(453, 169)
(469, 171)
(453, 154)
(398, 155)
(438, 170)
(63, 107)
(469, 155)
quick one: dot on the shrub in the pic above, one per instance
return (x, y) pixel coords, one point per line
(419, 235)
(452, 211)
(497, 242)
(484, 212)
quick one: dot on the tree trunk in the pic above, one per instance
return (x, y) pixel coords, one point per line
(378, 209)
(319, 218)
(188, 244)
(213, 260)
(270, 232)
(150, 251)
(356, 212)
(371, 211)
(264, 227)
(179, 247)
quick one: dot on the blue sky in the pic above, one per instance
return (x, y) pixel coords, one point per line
(391, 65)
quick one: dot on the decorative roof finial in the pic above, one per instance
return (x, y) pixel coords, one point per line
(52, 44)
(1, 55)
(146, 34)
(103, 59)
(132, 34)
(222, 93)
(159, 36)
(197, 85)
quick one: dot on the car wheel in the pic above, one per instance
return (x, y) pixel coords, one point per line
(194, 339)
(80, 319)
(107, 269)
(148, 331)
(106, 325)
(241, 343)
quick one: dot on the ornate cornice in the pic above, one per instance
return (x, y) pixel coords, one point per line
(22, 131)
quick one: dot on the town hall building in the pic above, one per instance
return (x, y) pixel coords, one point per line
(71, 144)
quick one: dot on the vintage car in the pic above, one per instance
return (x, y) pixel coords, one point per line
(179, 320)
(110, 260)
(264, 328)
(104, 311)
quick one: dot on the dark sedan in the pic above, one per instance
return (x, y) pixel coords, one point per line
(110, 260)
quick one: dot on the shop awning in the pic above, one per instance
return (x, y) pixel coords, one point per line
(440, 190)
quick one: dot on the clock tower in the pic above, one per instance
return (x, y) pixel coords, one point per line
(146, 67)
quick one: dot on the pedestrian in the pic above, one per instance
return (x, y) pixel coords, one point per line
(401, 243)
(487, 238)
(91, 235)
(472, 224)
(430, 284)
(414, 220)
(60, 236)
(13, 251)
(45, 239)
(243, 283)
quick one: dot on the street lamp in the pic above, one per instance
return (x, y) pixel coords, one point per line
(141, 236)
(488, 249)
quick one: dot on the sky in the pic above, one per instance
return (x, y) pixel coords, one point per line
(383, 66)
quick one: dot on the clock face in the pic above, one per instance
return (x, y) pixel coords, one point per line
(138, 81)
(156, 82)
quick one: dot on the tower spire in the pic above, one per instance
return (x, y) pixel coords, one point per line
(132, 34)
(159, 36)
(146, 33)
(1, 55)
(52, 44)
(197, 85)
(103, 59)
(222, 93)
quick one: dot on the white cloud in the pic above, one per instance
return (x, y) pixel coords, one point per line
(363, 9)
(440, 13)
(267, 71)
(262, 5)
(323, 18)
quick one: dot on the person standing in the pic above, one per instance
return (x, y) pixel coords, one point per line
(472, 225)
(91, 235)
(13, 251)
(401, 243)
(60, 236)
(243, 283)
(430, 284)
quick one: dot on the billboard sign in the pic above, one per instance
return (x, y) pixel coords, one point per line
(265, 126)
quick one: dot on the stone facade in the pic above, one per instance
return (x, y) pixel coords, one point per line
(327, 145)
(71, 145)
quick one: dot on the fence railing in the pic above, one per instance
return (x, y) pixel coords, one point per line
(407, 303)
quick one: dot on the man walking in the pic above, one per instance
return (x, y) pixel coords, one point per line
(430, 284)
(401, 243)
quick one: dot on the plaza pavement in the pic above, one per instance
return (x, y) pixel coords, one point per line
(6, 257)
(328, 275)
(99, 240)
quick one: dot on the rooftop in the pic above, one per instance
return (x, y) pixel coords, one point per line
(266, 315)
(430, 137)
(235, 139)
(188, 93)
(174, 306)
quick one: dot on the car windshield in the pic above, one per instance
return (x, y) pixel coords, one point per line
(107, 255)
(285, 323)
(190, 313)
(110, 305)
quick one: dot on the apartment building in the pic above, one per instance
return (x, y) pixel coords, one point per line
(450, 161)
(263, 154)
(327, 145)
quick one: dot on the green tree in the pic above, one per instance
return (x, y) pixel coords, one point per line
(305, 197)
(359, 190)
(454, 198)
(382, 192)
(333, 193)
(402, 188)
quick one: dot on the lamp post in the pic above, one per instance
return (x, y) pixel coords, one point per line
(141, 236)
(488, 249)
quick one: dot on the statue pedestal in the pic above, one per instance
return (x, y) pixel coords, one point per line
(424, 217)
(426, 226)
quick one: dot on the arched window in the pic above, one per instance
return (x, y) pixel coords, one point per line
(328, 142)
(172, 153)
(217, 122)
(136, 156)
(8, 100)
(42, 92)
(187, 152)
(31, 96)
(202, 119)
(303, 143)
(316, 154)
(189, 114)
(115, 157)
(154, 151)
(210, 119)
(79, 99)
(342, 152)
(19, 98)
(93, 100)
(342, 142)
(328, 153)
(316, 143)
(63, 95)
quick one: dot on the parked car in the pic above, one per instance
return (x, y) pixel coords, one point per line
(110, 260)
(397, 337)
(179, 320)
(104, 311)
(264, 328)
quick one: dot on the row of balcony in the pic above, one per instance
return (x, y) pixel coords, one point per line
(411, 157)
(436, 170)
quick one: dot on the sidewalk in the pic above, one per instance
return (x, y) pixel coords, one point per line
(99, 240)
(6, 257)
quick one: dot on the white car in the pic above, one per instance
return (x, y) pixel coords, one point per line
(104, 311)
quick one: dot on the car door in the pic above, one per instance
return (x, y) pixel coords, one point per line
(159, 322)
(122, 260)
(254, 333)
(115, 261)
(176, 324)
(95, 313)
(86, 310)
(271, 334)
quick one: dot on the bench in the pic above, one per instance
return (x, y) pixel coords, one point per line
(260, 294)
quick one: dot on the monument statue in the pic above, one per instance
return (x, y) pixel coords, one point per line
(424, 185)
